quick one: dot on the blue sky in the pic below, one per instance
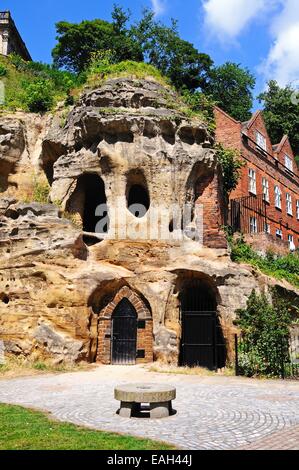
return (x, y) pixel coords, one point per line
(262, 35)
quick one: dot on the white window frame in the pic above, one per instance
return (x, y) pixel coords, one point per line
(267, 228)
(252, 180)
(253, 225)
(266, 192)
(261, 141)
(297, 209)
(279, 234)
(288, 162)
(277, 192)
(289, 204)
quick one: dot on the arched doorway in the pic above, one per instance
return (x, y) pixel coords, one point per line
(124, 334)
(202, 341)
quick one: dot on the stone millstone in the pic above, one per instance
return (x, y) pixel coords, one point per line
(145, 393)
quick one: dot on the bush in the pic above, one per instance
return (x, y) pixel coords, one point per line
(39, 96)
(266, 336)
(3, 71)
(279, 267)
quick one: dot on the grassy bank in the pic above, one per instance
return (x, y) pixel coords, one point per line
(22, 429)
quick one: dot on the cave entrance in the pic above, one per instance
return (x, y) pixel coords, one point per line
(90, 201)
(202, 341)
(138, 201)
(95, 214)
(124, 334)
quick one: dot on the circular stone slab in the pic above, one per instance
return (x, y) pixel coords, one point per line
(145, 393)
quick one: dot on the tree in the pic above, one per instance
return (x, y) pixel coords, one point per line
(77, 42)
(266, 333)
(281, 113)
(232, 88)
(174, 57)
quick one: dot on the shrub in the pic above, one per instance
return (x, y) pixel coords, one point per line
(231, 164)
(266, 335)
(3, 71)
(39, 96)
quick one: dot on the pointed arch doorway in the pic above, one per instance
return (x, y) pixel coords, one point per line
(124, 334)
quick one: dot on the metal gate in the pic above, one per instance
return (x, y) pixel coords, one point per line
(124, 334)
(202, 343)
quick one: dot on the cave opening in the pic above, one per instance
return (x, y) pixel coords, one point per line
(138, 200)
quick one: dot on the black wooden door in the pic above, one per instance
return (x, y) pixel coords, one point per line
(124, 334)
(199, 339)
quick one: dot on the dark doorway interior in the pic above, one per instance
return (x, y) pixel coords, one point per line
(202, 342)
(124, 334)
(138, 201)
(90, 200)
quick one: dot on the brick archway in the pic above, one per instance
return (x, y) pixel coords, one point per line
(144, 351)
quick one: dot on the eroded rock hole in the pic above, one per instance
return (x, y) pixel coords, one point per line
(138, 200)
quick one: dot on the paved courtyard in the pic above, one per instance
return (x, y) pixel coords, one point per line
(212, 412)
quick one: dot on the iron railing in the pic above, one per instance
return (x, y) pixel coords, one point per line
(245, 208)
(281, 364)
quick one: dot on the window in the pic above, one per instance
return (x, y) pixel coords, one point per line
(289, 204)
(279, 234)
(297, 209)
(288, 162)
(277, 197)
(253, 225)
(252, 181)
(267, 228)
(266, 193)
(261, 141)
(291, 243)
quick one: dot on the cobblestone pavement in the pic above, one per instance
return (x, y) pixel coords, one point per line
(212, 412)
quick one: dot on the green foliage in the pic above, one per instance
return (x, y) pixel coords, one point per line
(77, 42)
(3, 71)
(232, 88)
(266, 335)
(33, 86)
(176, 58)
(231, 164)
(281, 114)
(279, 267)
(200, 104)
(22, 429)
(100, 70)
(39, 96)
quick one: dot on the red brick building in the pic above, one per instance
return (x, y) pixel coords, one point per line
(266, 199)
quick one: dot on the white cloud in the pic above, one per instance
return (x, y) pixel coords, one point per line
(282, 63)
(158, 6)
(226, 19)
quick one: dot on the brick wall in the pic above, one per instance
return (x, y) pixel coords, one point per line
(270, 166)
(144, 335)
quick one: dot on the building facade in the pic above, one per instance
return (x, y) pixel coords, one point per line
(10, 39)
(266, 200)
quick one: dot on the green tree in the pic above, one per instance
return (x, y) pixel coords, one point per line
(174, 57)
(266, 332)
(77, 42)
(281, 113)
(232, 88)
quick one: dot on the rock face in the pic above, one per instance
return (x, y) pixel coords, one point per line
(145, 266)
(12, 146)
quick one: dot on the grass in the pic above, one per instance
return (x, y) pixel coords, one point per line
(279, 267)
(199, 371)
(22, 429)
(18, 367)
(98, 73)
(19, 75)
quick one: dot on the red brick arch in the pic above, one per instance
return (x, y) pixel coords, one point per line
(144, 334)
(142, 310)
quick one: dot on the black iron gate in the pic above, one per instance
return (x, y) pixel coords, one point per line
(243, 210)
(202, 342)
(124, 334)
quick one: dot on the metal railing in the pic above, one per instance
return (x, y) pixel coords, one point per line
(242, 209)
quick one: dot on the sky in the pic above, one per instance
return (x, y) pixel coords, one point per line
(262, 35)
